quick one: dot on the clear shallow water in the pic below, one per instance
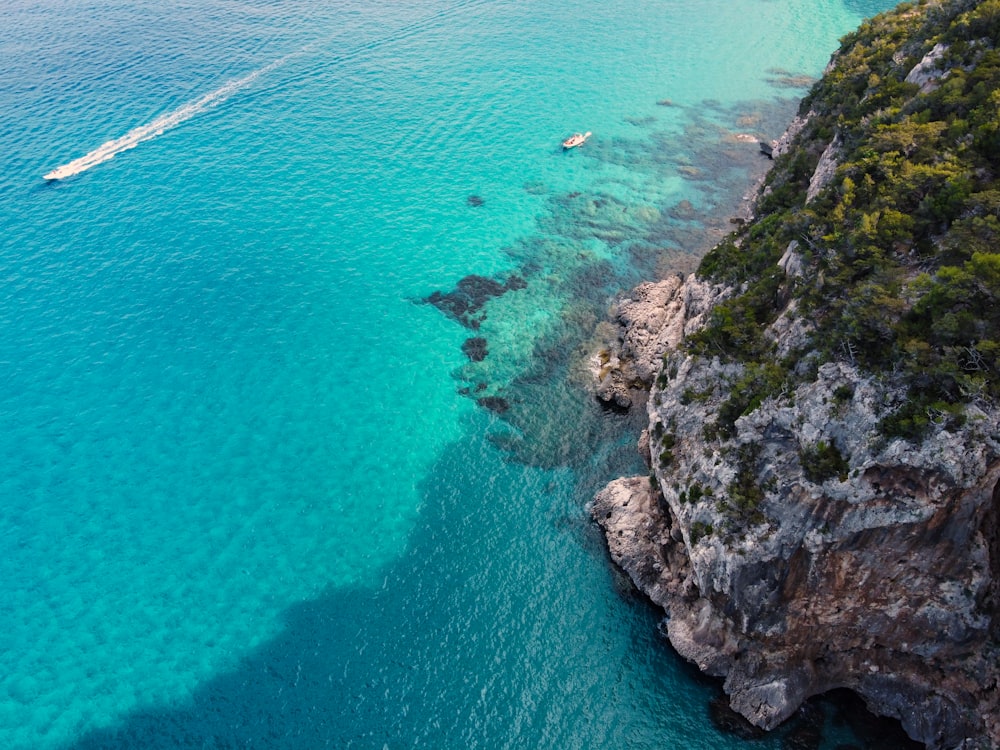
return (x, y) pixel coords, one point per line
(243, 500)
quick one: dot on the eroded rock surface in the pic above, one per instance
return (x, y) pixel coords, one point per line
(926, 73)
(647, 323)
(878, 574)
(825, 170)
(823, 505)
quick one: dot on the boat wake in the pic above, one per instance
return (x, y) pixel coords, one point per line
(160, 125)
(163, 123)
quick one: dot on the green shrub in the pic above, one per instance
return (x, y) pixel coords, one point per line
(744, 495)
(823, 461)
(758, 382)
(902, 247)
(699, 530)
(690, 395)
(842, 394)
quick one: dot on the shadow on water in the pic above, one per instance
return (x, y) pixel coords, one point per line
(279, 696)
(472, 636)
(503, 624)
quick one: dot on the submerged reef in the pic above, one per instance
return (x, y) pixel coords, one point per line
(466, 301)
(822, 509)
(640, 211)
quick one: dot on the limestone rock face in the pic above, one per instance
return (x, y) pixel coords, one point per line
(825, 170)
(926, 73)
(639, 536)
(648, 322)
(877, 570)
(784, 143)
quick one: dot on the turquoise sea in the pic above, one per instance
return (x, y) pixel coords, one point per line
(255, 489)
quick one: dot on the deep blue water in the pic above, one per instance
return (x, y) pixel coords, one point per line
(247, 495)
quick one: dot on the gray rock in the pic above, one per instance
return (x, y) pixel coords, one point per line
(791, 262)
(825, 169)
(647, 322)
(926, 74)
(883, 578)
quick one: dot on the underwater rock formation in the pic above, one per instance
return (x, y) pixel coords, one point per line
(475, 348)
(466, 301)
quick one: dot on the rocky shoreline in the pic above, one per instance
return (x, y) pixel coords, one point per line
(872, 581)
(802, 551)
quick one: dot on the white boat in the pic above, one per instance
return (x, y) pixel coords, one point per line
(577, 139)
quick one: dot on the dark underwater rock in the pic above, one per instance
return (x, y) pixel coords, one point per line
(465, 302)
(684, 211)
(496, 404)
(475, 349)
(515, 282)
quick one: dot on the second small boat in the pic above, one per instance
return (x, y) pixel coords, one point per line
(577, 139)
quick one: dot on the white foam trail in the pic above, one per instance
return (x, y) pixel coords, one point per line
(151, 130)
(161, 124)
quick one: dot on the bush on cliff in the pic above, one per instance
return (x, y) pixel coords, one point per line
(823, 461)
(902, 246)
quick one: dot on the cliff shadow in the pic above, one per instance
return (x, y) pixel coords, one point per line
(477, 605)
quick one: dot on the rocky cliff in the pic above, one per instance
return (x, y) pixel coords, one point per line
(880, 578)
(823, 504)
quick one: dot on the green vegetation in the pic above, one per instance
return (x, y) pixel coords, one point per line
(744, 495)
(699, 530)
(758, 381)
(667, 454)
(843, 394)
(694, 493)
(690, 394)
(823, 461)
(901, 249)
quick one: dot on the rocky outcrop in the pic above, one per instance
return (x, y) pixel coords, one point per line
(642, 539)
(776, 148)
(648, 321)
(795, 127)
(823, 505)
(825, 170)
(926, 74)
(801, 553)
